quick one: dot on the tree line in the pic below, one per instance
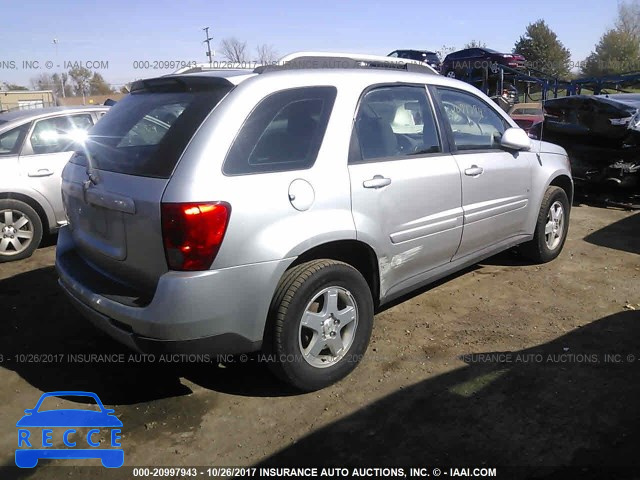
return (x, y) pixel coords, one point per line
(78, 81)
(617, 51)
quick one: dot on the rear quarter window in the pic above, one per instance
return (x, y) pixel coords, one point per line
(11, 140)
(283, 132)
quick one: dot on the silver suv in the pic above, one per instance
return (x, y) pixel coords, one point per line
(35, 145)
(276, 210)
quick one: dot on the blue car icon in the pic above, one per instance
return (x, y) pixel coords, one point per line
(30, 450)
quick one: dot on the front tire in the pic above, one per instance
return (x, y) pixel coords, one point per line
(551, 228)
(321, 320)
(20, 230)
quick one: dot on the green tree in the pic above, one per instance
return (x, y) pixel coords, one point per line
(13, 86)
(475, 44)
(60, 80)
(617, 51)
(543, 51)
(98, 85)
(81, 77)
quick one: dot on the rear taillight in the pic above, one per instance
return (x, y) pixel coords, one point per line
(193, 232)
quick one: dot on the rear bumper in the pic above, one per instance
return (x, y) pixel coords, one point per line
(215, 311)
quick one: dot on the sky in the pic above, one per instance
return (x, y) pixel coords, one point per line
(116, 37)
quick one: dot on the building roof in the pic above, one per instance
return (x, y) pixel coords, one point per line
(90, 100)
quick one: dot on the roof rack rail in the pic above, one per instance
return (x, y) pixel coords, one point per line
(336, 60)
(216, 66)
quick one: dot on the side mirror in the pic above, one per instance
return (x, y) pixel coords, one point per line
(515, 139)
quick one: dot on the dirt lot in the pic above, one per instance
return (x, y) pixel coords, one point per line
(420, 397)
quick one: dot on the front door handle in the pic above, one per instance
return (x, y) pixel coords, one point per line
(42, 172)
(378, 181)
(474, 171)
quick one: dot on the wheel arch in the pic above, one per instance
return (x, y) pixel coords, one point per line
(352, 252)
(564, 182)
(33, 203)
(556, 177)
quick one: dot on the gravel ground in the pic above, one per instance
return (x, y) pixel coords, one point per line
(502, 364)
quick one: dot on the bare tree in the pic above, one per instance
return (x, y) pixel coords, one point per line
(234, 50)
(55, 82)
(475, 44)
(266, 54)
(444, 51)
(43, 81)
(629, 17)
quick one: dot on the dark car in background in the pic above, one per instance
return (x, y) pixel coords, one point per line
(457, 64)
(601, 134)
(430, 58)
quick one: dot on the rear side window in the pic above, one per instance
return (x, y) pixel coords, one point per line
(284, 132)
(55, 135)
(146, 132)
(82, 121)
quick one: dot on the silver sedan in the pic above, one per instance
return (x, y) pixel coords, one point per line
(35, 145)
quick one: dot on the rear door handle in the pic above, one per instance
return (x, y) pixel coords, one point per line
(43, 172)
(474, 171)
(378, 181)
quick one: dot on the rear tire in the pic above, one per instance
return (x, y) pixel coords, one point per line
(551, 227)
(20, 230)
(320, 324)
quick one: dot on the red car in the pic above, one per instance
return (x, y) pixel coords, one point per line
(526, 114)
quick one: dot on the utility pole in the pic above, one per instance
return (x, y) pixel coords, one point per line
(208, 42)
(55, 42)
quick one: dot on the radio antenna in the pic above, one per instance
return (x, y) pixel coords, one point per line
(543, 99)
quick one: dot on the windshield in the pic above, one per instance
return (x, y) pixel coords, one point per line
(432, 58)
(146, 132)
(54, 403)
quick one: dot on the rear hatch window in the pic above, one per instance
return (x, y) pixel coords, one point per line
(145, 133)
